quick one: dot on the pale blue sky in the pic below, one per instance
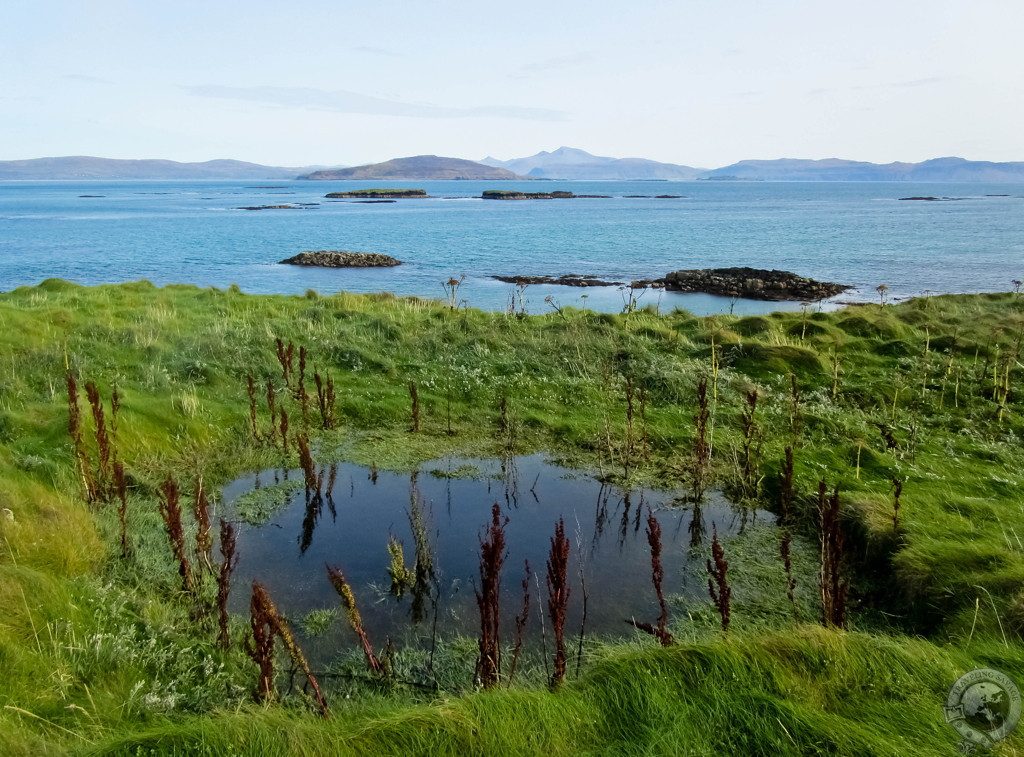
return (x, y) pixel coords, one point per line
(703, 83)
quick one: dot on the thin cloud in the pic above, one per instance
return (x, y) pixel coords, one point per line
(905, 84)
(341, 101)
(86, 78)
(557, 63)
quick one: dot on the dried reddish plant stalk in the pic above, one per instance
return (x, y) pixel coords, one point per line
(718, 580)
(701, 458)
(204, 535)
(121, 488)
(228, 563)
(660, 631)
(284, 431)
(250, 389)
(558, 597)
(897, 492)
(285, 357)
(786, 492)
(170, 511)
(488, 599)
(309, 472)
(833, 585)
(75, 432)
(115, 409)
(355, 620)
(657, 576)
(750, 474)
(325, 399)
(300, 391)
(272, 409)
(414, 398)
(259, 645)
(102, 440)
(266, 623)
(521, 620)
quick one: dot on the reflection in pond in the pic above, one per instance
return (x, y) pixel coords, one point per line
(365, 521)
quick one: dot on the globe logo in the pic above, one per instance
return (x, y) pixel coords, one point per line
(983, 706)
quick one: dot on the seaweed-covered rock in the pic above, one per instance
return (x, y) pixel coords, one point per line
(752, 283)
(342, 259)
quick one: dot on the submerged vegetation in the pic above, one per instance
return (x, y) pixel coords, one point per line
(887, 435)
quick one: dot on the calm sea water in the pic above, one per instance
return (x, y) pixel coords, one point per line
(192, 232)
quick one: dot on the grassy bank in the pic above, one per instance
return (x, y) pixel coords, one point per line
(102, 653)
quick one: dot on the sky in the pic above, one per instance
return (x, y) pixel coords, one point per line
(698, 82)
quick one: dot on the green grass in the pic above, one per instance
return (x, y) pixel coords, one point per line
(102, 655)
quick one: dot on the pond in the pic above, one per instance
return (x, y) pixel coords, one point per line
(363, 508)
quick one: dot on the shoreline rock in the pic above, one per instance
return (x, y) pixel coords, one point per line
(270, 207)
(752, 284)
(567, 280)
(746, 283)
(341, 259)
(505, 194)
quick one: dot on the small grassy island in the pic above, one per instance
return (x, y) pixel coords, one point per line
(379, 194)
(890, 434)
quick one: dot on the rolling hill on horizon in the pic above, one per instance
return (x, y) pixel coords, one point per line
(950, 169)
(417, 167)
(84, 168)
(574, 164)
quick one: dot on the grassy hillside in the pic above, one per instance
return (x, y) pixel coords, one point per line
(105, 655)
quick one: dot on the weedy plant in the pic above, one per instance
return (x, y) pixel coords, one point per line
(750, 455)
(204, 535)
(77, 440)
(414, 407)
(266, 623)
(488, 600)
(285, 356)
(558, 598)
(325, 400)
(718, 580)
(355, 620)
(897, 492)
(659, 631)
(833, 584)
(170, 511)
(700, 461)
(228, 563)
(402, 577)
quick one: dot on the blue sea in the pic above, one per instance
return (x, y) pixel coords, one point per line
(193, 232)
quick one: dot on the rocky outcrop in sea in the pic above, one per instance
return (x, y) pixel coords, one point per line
(342, 259)
(747, 283)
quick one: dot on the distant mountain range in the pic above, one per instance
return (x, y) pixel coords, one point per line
(563, 163)
(84, 167)
(570, 163)
(833, 169)
(418, 167)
